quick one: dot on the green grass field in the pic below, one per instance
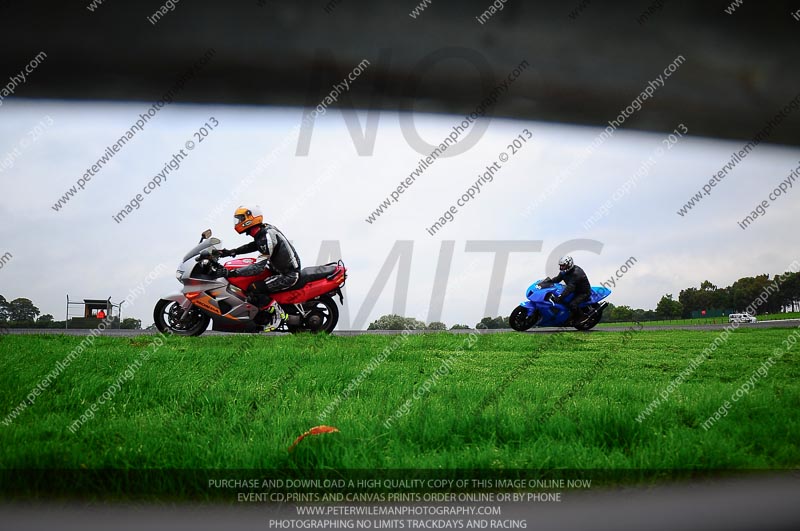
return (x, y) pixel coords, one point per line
(512, 401)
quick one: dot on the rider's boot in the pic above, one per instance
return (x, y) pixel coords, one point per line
(277, 316)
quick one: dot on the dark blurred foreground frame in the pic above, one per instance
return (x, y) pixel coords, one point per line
(586, 64)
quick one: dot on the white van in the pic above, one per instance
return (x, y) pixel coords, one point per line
(741, 318)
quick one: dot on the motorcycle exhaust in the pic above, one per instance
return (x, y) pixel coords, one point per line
(293, 320)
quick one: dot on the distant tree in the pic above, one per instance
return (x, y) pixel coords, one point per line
(3, 309)
(396, 322)
(644, 315)
(705, 295)
(790, 293)
(459, 327)
(669, 308)
(607, 313)
(622, 313)
(45, 321)
(129, 323)
(706, 285)
(22, 310)
(437, 325)
(486, 322)
(690, 300)
(748, 289)
(649, 315)
(493, 324)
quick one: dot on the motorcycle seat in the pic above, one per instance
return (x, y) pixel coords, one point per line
(310, 274)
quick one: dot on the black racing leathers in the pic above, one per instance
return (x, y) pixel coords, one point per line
(282, 256)
(576, 282)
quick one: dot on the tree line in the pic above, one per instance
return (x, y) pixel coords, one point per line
(710, 298)
(22, 313)
(398, 322)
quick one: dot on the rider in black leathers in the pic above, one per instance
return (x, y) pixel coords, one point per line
(278, 254)
(576, 282)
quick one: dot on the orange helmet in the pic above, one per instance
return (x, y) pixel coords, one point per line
(247, 218)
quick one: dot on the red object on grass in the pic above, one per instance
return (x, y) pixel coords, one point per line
(316, 430)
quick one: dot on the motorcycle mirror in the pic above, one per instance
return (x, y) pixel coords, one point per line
(206, 234)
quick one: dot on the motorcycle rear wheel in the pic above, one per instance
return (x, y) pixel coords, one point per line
(322, 316)
(591, 322)
(520, 320)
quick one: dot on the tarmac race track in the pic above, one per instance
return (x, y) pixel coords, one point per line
(784, 323)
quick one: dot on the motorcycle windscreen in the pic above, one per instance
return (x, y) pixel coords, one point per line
(540, 295)
(205, 244)
(533, 288)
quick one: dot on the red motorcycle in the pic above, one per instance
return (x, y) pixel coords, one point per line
(206, 297)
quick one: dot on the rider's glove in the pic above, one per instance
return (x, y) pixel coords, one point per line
(226, 252)
(226, 273)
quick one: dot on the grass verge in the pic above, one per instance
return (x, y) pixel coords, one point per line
(511, 402)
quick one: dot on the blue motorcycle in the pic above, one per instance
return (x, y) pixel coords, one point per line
(541, 310)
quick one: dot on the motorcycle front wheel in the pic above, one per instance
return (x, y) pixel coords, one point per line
(167, 316)
(520, 320)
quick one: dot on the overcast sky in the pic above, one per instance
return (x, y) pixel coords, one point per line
(327, 195)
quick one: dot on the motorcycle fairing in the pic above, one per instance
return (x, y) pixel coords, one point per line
(313, 282)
